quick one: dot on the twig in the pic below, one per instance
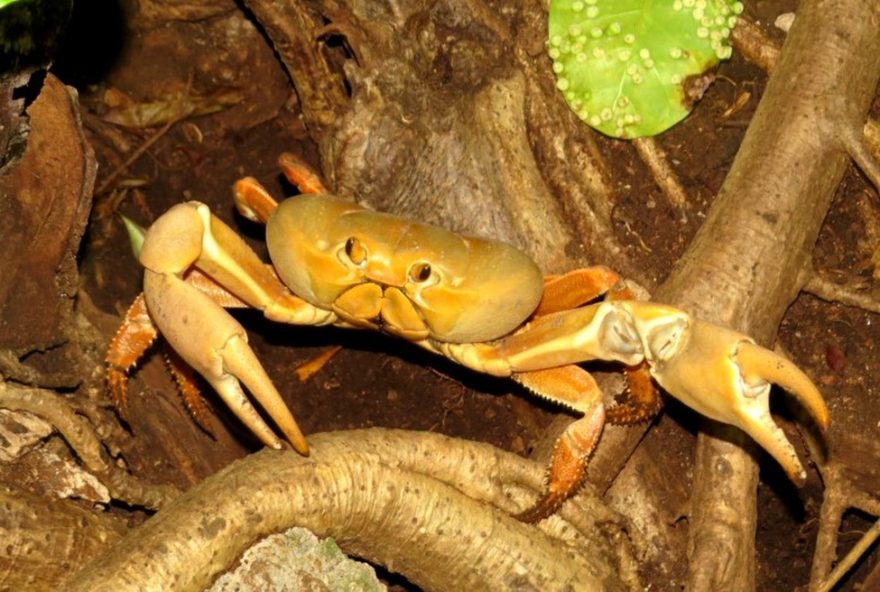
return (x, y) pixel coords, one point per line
(829, 291)
(858, 150)
(850, 559)
(843, 490)
(108, 182)
(756, 46)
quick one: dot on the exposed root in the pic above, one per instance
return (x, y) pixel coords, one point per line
(384, 495)
(749, 39)
(850, 559)
(842, 492)
(80, 435)
(653, 155)
(45, 538)
(858, 150)
(829, 291)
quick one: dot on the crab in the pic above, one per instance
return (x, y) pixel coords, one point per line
(481, 303)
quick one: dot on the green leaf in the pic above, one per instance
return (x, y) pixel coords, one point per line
(628, 68)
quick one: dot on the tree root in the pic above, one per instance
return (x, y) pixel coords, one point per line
(763, 209)
(830, 292)
(43, 538)
(845, 488)
(417, 502)
(758, 48)
(860, 548)
(653, 155)
(81, 437)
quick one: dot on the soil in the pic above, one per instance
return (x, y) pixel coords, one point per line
(380, 381)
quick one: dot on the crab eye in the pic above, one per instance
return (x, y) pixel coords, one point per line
(355, 251)
(420, 273)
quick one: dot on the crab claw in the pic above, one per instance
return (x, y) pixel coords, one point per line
(725, 376)
(215, 345)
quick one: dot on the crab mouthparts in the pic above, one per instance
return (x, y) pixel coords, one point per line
(382, 307)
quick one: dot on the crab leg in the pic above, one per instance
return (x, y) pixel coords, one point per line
(576, 389)
(255, 203)
(185, 378)
(578, 287)
(134, 336)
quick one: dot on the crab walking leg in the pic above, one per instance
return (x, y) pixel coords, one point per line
(131, 340)
(184, 377)
(300, 173)
(574, 388)
(575, 288)
(255, 203)
(580, 286)
(200, 330)
(252, 200)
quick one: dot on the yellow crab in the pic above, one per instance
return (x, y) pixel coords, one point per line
(481, 303)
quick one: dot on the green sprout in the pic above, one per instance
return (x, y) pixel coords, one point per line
(631, 68)
(136, 234)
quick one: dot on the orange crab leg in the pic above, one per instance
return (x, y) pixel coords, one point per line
(575, 288)
(575, 388)
(255, 203)
(185, 379)
(252, 200)
(641, 400)
(300, 173)
(578, 287)
(131, 340)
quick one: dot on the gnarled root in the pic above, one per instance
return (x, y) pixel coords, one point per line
(417, 502)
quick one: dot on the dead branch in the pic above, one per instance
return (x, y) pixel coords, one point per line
(653, 155)
(374, 492)
(832, 292)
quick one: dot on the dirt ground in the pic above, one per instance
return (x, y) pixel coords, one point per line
(380, 381)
